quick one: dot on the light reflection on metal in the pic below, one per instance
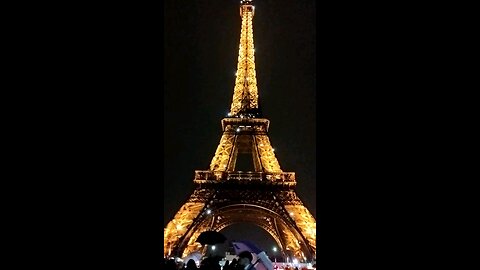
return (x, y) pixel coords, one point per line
(251, 138)
(245, 93)
(278, 210)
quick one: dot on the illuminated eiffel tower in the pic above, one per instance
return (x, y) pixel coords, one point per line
(264, 196)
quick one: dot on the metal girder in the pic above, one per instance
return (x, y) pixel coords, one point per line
(245, 136)
(245, 93)
(289, 222)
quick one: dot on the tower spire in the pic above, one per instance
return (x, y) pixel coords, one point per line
(245, 94)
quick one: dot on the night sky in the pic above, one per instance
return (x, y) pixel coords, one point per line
(201, 49)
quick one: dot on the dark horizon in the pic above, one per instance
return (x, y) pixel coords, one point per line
(201, 50)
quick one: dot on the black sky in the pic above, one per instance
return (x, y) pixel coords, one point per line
(201, 49)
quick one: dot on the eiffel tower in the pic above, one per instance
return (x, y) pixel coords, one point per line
(264, 196)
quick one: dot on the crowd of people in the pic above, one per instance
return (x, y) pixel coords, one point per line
(244, 262)
(212, 263)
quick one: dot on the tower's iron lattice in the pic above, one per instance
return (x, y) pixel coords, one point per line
(264, 196)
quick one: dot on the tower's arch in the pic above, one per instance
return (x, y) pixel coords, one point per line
(288, 238)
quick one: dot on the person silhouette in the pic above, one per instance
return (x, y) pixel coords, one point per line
(191, 265)
(245, 260)
(226, 266)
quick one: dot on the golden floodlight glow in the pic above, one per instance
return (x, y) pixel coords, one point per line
(245, 132)
(246, 82)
